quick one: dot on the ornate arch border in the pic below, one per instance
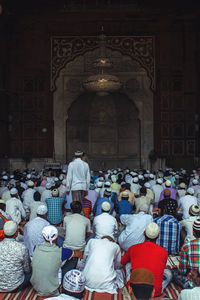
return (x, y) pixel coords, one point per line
(66, 48)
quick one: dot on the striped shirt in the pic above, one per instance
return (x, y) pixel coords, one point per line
(169, 237)
(54, 205)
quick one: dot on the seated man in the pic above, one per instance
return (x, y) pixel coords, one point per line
(124, 205)
(168, 206)
(187, 224)
(47, 260)
(131, 196)
(106, 197)
(33, 229)
(141, 284)
(14, 261)
(105, 224)
(194, 293)
(169, 237)
(135, 227)
(55, 205)
(150, 256)
(14, 207)
(102, 270)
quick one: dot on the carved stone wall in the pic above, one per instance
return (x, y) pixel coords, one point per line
(93, 123)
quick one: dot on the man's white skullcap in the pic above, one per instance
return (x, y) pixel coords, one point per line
(123, 183)
(61, 177)
(10, 228)
(2, 201)
(115, 172)
(5, 177)
(78, 153)
(152, 230)
(141, 176)
(99, 184)
(125, 194)
(42, 210)
(55, 193)
(108, 192)
(30, 183)
(28, 176)
(56, 179)
(148, 172)
(182, 185)
(190, 191)
(159, 181)
(101, 179)
(146, 175)
(135, 179)
(151, 176)
(105, 206)
(147, 185)
(168, 183)
(12, 176)
(50, 233)
(194, 210)
(13, 191)
(3, 172)
(74, 281)
(64, 182)
(144, 207)
(177, 176)
(107, 183)
(64, 171)
(195, 181)
(48, 186)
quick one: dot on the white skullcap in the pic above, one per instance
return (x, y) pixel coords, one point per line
(56, 179)
(107, 183)
(5, 177)
(99, 184)
(64, 182)
(48, 186)
(61, 177)
(10, 228)
(108, 192)
(182, 185)
(123, 183)
(159, 181)
(151, 176)
(148, 172)
(101, 179)
(105, 206)
(13, 191)
(133, 173)
(196, 177)
(30, 183)
(55, 193)
(146, 175)
(115, 172)
(147, 185)
(152, 230)
(11, 176)
(64, 171)
(141, 176)
(42, 210)
(135, 179)
(50, 233)
(190, 191)
(78, 153)
(144, 207)
(168, 183)
(125, 194)
(74, 281)
(2, 201)
(177, 176)
(195, 181)
(28, 176)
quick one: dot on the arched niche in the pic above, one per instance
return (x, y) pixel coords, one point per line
(136, 90)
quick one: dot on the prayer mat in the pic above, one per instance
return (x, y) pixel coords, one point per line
(28, 294)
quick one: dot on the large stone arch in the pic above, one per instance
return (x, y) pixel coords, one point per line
(136, 86)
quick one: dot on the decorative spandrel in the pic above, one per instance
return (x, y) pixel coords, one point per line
(66, 49)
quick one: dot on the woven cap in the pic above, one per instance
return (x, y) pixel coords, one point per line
(13, 191)
(42, 210)
(168, 183)
(10, 228)
(125, 194)
(55, 193)
(74, 281)
(190, 191)
(78, 153)
(142, 276)
(182, 185)
(152, 230)
(196, 224)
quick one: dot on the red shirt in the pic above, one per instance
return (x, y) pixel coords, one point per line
(149, 256)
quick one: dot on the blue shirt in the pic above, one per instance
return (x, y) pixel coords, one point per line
(124, 207)
(54, 206)
(169, 237)
(97, 207)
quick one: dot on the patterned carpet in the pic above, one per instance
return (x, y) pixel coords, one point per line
(171, 292)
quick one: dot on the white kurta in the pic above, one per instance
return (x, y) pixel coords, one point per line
(184, 204)
(134, 231)
(46, 194)
(28, 198)
(78, 175)
(105, 224)
(188, 225)
(102, 269)
(15, 209)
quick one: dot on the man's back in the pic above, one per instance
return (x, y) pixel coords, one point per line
(155, 261)
(78, 175)
(134, 231)
(14, 261)
(105, 224)
(76, 227)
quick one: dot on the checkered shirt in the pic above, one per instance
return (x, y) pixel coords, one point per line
(190, 256)
(54, 205)
(169, 237)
